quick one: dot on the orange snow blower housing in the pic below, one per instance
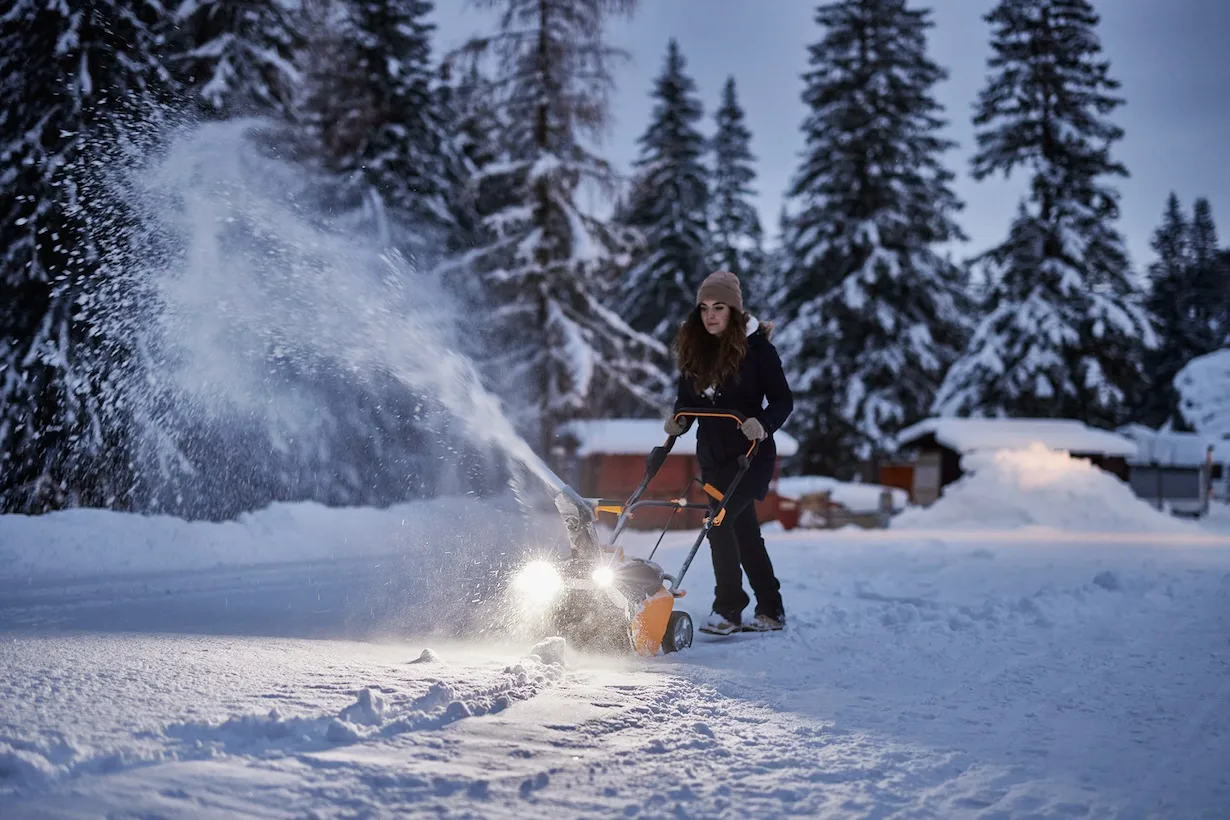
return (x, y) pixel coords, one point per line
(600, 597)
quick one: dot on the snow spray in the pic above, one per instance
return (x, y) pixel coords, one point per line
(249, 281)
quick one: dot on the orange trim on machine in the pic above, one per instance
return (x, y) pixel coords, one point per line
(649, 625)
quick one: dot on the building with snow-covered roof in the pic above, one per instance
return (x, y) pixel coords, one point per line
(607, 460)
(1178, 470)
(939, 444)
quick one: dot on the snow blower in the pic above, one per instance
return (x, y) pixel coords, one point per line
(600, 598)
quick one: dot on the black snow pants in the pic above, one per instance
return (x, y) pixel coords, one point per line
(737, 542)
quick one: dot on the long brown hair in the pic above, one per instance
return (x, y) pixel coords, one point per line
(708, 359)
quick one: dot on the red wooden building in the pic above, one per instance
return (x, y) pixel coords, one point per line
(607, 460)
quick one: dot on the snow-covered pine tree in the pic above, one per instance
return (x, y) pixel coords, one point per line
(1203, 386)
(1207, 281)
(401, 151)
(1223, 276)
(371, 118)
(668, 205)
(467, 99)
(874, 313)
(237, 57)
(542, 261)
(71, 77)
(1065, 333)
(738, 239)
(769, 287)
(1169, 307)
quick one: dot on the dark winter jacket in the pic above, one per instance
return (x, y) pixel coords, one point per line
(760, 391)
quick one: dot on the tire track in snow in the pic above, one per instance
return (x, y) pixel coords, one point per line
(689, 751)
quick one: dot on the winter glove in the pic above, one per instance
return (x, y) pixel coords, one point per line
(753, 429)
(675, 427)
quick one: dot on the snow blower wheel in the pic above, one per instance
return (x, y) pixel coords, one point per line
(678, 632)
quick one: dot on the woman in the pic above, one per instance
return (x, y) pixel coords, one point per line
(726, 361)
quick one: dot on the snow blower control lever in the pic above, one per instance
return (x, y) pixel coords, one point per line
(654, 462)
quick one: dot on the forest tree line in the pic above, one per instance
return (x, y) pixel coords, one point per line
(482, 159)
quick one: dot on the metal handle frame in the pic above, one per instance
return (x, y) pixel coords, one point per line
(654, 462)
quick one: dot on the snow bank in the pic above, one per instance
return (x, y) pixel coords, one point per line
(1038, 487)
(854, 497)
(85, 542)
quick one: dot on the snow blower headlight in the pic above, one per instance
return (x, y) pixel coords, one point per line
(603, 576)
(537, 583)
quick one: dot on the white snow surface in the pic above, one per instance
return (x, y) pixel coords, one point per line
(639, 436)
(85, 542)
(969, 434)
(154, 668)
(1038, 487)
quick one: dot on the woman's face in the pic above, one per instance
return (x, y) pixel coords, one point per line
(715, 315)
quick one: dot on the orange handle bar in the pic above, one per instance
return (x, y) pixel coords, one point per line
(717, 414)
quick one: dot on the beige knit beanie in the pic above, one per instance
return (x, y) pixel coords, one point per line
(722, 286)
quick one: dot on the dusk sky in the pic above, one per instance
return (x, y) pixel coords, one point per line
(1169, 55)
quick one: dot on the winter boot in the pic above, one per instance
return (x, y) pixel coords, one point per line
(765, 623)
(719, 625)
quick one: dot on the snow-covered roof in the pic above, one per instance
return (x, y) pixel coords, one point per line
(967, 435)
(639, 436)
(1172, 449)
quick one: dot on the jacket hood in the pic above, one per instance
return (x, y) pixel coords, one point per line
(754, 324)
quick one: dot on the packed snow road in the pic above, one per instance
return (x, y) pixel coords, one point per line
(924, 674)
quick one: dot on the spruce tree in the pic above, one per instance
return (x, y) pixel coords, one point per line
(669, 206)
(469, 104)
(71, 79)
(738, 239)
(1065, 331)
(238, 57)
(542, 259)
(768, 288)
(1222, 281)
(1207, 281)
(402, 155)
(1168, 303)
(874, 313)
(373, 121)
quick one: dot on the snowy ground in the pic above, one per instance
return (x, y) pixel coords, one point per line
(926, 673)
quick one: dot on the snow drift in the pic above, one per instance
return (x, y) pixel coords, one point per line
(86, 542)
(1038, 487)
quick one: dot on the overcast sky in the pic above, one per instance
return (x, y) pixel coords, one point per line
(1169, 55)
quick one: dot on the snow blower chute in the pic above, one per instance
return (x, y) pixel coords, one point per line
(600, 598)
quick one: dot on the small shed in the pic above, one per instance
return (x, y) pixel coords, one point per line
(939, 444)
(1177, 470)
(826, 502)
(607, 460)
